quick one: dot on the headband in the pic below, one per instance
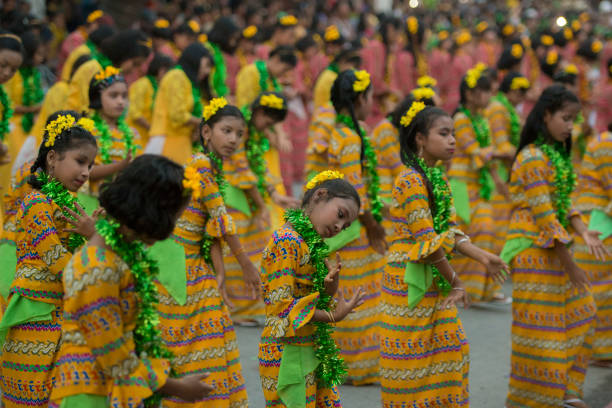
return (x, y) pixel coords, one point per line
(64, 122)
(213, 107)
(408, 117)
(323, 176)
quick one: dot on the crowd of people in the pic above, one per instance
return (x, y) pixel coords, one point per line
(344, 174)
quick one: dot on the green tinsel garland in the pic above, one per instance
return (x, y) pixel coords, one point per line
(332, 369)
(515, 120)
(60, 195)
(207, 240)
(483, 137)
(256, 145)
(219, 76)
(97, 55)
(147, 337)
(370, 165)
(565, 178)
(264, 76)
(7, 113)
(442, 198)
(333, 67)
(106, 141)
(32, 94)
(155, 87)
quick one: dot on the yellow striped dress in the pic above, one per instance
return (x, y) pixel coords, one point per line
(200, 333)
(424, 354)
(319, 129)
(357, 335)
(594, 192)
(551, 322)
(290, 307)
(467, 161)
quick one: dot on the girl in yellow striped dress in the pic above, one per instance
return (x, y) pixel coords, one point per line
(423, 349)
(592, 198)
(472, 182)
(363, 245)
(298, 361)
(198, 328)
(553, 311)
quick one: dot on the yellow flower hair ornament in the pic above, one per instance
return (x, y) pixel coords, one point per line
(249, 32)
(576, 26)
(596, 46)
(547, 40)
(463, 37)
(272, 101)
(87, 124)
(191, 182)
(482, 26)
(331, 33)
(288, 20)
(162, 23)
(426, 82)
(324, 176)
(203, 38)
(62, 123)
(571, 69)
(474, 74)
(362, 82)
(107, 73)
(412, 24)
(423, 93)
(213, 107)
(519, 83)
(517, 51)
(568, 33)
(443, 35)
(508, 30)
(94, 15)
(552, 57)
(195, 27)
(408, 117)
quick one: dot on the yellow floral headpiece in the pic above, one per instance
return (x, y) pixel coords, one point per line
(584, 17)
(423, 93)
(463, 37)
(552, 57)
(331, 33)
(213, 107)
(94, 15)
(568, 33)
(571, 69)
(483, 25)
(576, 26)
(517, 51)
(249, 32)
(526, 41)
(323, 176)
(519, 83)
(148, 43)
(408, 117)
(443, 35)
(362, 82)
(288, 20)
(107, 73)
(191, 182)
(413, 25)
(596, 46)
(508, 30)
(474, 74)
(64, 122)
(162, 23)
(426, 82)
(547, 40)
(272, 101)
(195, 27)
(203, 38)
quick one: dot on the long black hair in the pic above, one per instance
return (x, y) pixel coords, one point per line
(190, 63)
(100, 34)
(336, 188)
(222, 32)
(421, 123)
(554, 98)
(31, 43)
(159, 62)
(124, 45)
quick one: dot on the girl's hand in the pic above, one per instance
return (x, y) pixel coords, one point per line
(126, 160)
(83, 224)
(333, 276)
(261, 218)
(189, 388)
(376, 237)
(284, 201)
(496, 268)
(457, 294)
(578, 278)
(502, 188)
(5, 157)
(251, 279)
(596, 247)
(344, 307)
(220, 278)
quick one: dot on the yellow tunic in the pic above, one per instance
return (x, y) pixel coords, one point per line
(323, 86)
(594, 192)
(12, 200)
(97, 355)
(424, 354)
(74, 55)
(320, 127)
(16, 136)
(141, 105)
(78, 96)
(5, 169)
(56, 99)
(551, 321)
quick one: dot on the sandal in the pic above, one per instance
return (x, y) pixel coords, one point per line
(569, 403)
(500, 299)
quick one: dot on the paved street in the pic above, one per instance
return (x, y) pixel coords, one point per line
(488, 331)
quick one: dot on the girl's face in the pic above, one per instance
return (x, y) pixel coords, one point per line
(225, 135)
(204, 69)
(39, 55)
(516, 97)
(71, 168)
(329, 217)
(247, 46)
(439, 143)
(561, 123)
(114, 100)
(183, 41)
(133, 64)
(261, 121)
(10, 61)
(479, 98)
(363, 105)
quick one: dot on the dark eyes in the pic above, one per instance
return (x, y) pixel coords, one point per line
(340, 214)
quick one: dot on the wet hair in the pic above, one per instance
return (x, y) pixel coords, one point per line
(507, 81)
(79, 61)
(336, 188)
(159, 62)
(285, 54)
(222, 32)
(483, 84)
(9, 41)
(190, 61)
(553, 99)
(125, 45)
(507, 60)
(421, 123)
(146, 196)
(100, 34)
(402, 107)
(69, 139)
(31, 43)
(277, 114)
(97, 87)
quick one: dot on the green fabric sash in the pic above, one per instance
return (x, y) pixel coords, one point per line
(344, 237)
(84, 401)
(514, 247)
(296, 363)
(22, 310)
(418, 277)
(461, 198)
(89, 202)
(237, 199)
(170, 256)
(602, 222)
(8, 264)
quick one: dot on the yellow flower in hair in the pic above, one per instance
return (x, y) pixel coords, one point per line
(148, 43)
(191, 182)
(162, 23)
(323, 176)
(107, 73)
(508, 30)
(443, 35)
(56, 127)
(94, 15)
(213, 107)
(87, 124)
(408, 117)
(596, 47)
(547, 40)
(526, 42)
(271, 101)
(552, 57)
(571, 69)
(195, 27)
(463, 37)
(426, 81)
(519, 83)
(362, 82)
(473, 75)
(413, 24)
(584, 17)
(249, 32)
(288, 20)
(331, 33)
(423, 93)
(203, 38)
(576, 26)
(517, 51)
(483, 25)
(568, 33)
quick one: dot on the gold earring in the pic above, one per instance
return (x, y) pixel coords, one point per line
(420, 151)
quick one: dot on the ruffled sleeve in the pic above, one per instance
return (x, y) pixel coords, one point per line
(467, 143)
(247, 85)
(78, 97)
(287, 309)
(14, 89)
(180, 99)
(499, 122)
(237, 170)
(141, 93)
